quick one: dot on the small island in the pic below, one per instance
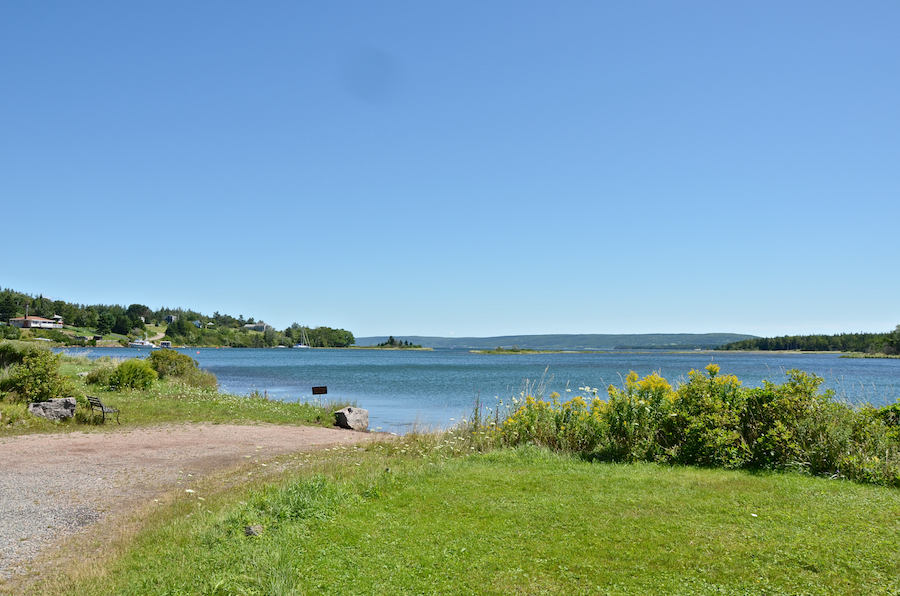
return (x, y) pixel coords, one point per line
(392, 343)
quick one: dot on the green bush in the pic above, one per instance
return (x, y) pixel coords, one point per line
(103, 374)
(36, 379)
(134, 374)
(181, 367)
(9, 332)
(14, 352)
(704, 428)
(170, 363)
(772, 414)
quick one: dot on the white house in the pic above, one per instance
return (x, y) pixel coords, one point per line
(37, 322)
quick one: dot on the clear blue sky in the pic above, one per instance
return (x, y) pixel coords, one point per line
(459, 168)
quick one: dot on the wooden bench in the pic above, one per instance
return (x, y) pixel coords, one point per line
(96, 404)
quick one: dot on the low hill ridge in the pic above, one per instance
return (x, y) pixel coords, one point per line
(639, 341)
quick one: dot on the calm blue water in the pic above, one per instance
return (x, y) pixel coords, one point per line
(436, 388)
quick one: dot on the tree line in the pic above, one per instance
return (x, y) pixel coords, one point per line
(871, 343)
(187, 326)
(238, 337)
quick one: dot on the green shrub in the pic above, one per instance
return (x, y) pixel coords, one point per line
(704, 428)
(53, 334)
(14, 352)
(890, 414)
(36, 379)
(9, 332)
(102, 374)
(170, 363)
(134, 374)
(175, 365)
(771, 417)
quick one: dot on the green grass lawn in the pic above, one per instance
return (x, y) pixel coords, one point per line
(156, 329)
(90, 332)
(400, 518)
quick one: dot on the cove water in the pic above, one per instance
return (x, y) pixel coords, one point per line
(427, 389)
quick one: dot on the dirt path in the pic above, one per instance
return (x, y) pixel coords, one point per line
(54, 485)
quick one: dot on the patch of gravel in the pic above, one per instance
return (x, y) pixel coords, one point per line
(36, 512)
(55, 485)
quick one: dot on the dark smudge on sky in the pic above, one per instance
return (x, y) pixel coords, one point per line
(370, 74)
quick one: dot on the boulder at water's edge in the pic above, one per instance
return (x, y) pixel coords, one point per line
(352, 418)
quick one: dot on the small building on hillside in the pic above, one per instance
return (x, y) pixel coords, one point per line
(198, 324)
(27, 322)
(257, 326)
(171, 319)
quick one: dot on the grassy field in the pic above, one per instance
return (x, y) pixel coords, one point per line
(418, 516)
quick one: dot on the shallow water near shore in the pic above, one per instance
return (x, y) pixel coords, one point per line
(427, 389)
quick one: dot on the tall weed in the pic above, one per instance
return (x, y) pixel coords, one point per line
(636, 417)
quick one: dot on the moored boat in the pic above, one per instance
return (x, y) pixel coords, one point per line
(304, 340)
(141, 343)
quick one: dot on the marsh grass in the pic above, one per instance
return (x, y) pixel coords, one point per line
(408, 517)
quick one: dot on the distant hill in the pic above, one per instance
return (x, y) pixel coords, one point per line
(641, 341)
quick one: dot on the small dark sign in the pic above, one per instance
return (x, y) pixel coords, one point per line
(320, 390)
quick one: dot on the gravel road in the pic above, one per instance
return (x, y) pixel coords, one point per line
(53, 485)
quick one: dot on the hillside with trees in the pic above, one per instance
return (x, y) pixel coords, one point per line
(181, 326)
(870, 343)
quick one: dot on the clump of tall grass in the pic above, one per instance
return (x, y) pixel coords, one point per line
(82, 358)
(182, 368)
(711, 420)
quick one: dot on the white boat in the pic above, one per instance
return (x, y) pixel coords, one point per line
(304, 341)
(141, 343)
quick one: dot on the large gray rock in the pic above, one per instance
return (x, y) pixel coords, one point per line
(55, 409)
(352, 418)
